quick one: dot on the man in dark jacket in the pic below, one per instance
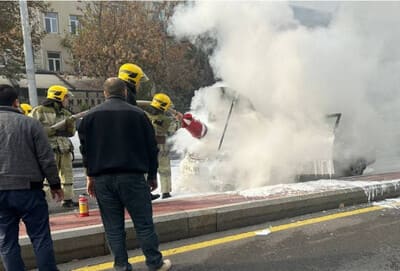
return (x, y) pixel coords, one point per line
(118, 148)
(26, 159)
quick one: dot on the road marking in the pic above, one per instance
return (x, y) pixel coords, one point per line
(324, 218)
(241, 236)
(173, 251)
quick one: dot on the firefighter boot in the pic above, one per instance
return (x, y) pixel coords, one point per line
(69, 203)
(166, 195)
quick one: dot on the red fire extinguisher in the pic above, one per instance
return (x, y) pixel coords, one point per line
(195, 127)
(83, 206)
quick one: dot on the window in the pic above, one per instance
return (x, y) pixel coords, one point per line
(73, 24)
(51, 22)
(54, 60)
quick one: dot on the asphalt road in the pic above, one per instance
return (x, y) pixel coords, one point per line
(362, 238)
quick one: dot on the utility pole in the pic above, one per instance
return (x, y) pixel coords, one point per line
(30, 68)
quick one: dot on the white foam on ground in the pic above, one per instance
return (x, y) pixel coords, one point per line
(389, 203)
(263, 232)
(371, 188)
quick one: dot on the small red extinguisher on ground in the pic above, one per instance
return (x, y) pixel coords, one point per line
(83, 206)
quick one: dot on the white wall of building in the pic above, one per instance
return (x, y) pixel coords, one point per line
(51, 43)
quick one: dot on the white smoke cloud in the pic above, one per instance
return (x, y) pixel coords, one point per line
(293, 76)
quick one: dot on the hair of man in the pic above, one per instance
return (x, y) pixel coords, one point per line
(114, 86)
(8, 95)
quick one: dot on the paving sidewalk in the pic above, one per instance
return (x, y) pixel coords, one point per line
(72, 220)
(178, 218)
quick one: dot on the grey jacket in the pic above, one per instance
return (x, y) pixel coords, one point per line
(26, 157)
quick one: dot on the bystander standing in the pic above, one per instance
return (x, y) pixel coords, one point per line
(118, 148)
(26, 159)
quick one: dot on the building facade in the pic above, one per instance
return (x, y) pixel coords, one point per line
(53, 61)
(59, 22)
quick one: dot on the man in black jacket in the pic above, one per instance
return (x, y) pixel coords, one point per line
(26, 159)
(118, 148)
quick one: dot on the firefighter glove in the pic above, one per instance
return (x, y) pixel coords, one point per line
(70, 122)
(70, 125)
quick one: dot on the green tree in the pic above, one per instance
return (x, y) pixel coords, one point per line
(113, 33)
(11, 38)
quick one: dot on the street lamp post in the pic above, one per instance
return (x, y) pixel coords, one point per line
(30, 68)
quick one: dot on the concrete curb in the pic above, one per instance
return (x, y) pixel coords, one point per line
(90, 241)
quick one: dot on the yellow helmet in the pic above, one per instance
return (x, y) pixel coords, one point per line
(161, 101)
(132, 73)
(58, 93)
(26, 108)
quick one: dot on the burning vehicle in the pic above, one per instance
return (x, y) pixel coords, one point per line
(214, 163)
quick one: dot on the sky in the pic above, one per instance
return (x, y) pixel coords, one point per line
(288, 76)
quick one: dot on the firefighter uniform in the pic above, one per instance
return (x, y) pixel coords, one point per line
(49, 113)
(164, 125)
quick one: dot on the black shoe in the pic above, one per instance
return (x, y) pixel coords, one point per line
(155, 196)
(69, 203)
(166, 195)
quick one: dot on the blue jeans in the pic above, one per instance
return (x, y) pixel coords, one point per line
(116, 192)
(31, 207)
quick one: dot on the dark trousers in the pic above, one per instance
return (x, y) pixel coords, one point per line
(31, 207)
(114, 193)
